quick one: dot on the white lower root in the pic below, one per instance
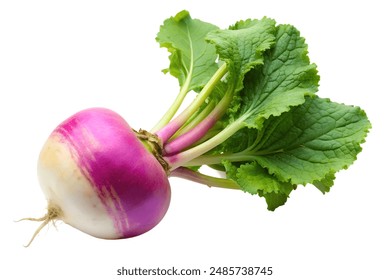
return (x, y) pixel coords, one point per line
(53, 213)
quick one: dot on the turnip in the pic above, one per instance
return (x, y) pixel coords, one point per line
(256, 119)
(99, 177)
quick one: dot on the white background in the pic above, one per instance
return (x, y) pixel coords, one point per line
(57, 57)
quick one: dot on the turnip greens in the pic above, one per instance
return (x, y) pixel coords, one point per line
(257, 116)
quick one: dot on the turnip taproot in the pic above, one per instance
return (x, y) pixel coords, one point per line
(256, 118)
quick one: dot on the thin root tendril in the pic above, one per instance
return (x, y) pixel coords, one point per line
(53, 213)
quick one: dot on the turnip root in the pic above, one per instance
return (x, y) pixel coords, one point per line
(99, 177)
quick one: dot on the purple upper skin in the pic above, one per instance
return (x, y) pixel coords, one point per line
(130, 182)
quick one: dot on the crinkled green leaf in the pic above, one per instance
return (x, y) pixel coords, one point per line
(240, 141)
(242, 46)
(284, 80)
(312, 141)
(326, 183)
(254, 179)
(192, 59)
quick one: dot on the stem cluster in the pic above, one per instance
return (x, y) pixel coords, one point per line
(189, 135)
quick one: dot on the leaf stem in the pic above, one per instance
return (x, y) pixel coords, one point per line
(234, 157)
(216, 159)
(182, 158)
(195, 120)
(170, 129)
(200, 130)
(174, 107)
(189, 174)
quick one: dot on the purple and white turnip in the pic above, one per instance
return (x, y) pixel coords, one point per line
(256, 118)
(99, 177)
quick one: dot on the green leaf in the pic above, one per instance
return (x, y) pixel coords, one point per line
(254, 179)
(242, 46)
(284, 80)
(312, 141)
(240, 141)
(325, 184)
(192, 59)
